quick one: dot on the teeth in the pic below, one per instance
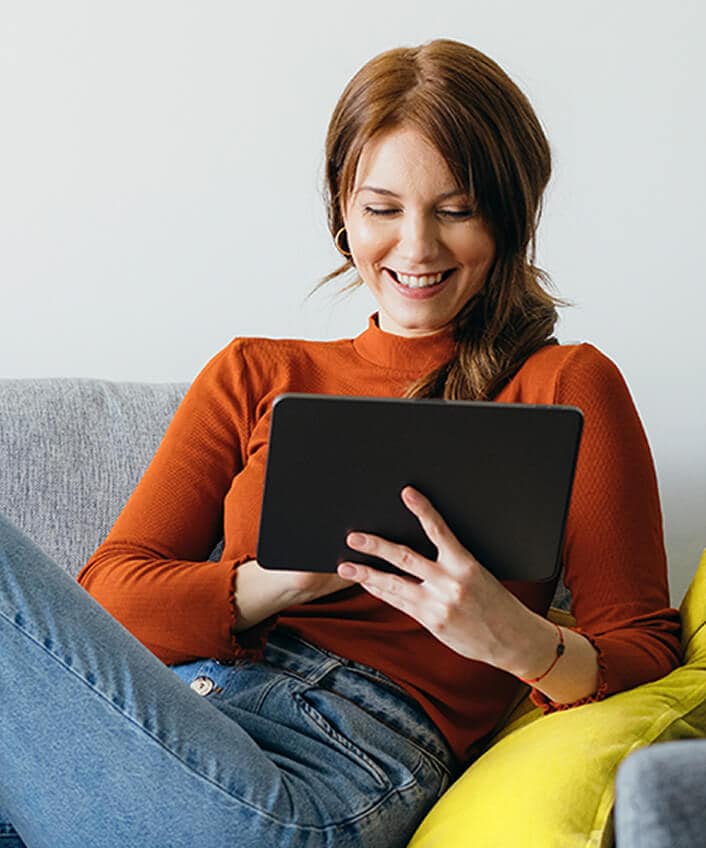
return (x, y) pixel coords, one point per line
(418, 282)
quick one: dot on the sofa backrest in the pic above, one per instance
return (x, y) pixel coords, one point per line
(72, 451)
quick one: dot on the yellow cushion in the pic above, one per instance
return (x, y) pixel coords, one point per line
(548, 782)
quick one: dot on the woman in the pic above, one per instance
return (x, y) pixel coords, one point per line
(335, 709)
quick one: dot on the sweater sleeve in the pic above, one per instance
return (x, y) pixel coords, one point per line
(614, 557)
(152, 572)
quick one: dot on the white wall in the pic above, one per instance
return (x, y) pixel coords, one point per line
(161, 164)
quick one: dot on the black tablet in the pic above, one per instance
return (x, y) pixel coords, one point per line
(499, 474)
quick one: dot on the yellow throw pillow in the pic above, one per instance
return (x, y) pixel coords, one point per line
(549, 783)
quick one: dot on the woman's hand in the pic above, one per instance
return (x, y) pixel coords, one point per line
(455, 598)
(262, 592)
(304, 585)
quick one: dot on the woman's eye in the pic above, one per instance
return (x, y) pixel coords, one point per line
(457, 213)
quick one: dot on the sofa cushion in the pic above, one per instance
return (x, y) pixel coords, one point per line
(549, 781)
(693, 619)
(72, 451)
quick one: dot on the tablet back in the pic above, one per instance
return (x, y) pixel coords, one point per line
(499, 474)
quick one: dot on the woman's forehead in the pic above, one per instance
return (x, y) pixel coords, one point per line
(393, 161)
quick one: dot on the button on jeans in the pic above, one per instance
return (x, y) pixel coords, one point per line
(105, 746)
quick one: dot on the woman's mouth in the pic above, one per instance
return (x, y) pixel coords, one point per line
(418, 286)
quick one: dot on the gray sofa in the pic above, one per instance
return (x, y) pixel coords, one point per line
(72, 451)
(661, 797)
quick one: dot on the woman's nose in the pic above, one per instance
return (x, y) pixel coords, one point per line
(418, 240)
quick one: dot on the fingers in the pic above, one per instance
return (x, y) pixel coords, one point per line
(400, 592)
(453, 558)
(403, 557)
(433, 524)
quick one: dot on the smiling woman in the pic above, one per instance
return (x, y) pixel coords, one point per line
(424, 255)
(437, 163)
(333, 709)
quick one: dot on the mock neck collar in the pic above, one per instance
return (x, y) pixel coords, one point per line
(413, 355)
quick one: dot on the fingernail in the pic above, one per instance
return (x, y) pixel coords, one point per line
(346, 570)
(356, 539)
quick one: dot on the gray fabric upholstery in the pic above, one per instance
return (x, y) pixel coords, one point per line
(72, 451)
(661, 797)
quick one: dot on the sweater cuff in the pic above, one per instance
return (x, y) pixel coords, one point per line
(247, 644)
(547, 705)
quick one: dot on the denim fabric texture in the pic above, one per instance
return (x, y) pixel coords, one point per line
(105, 746)
(660, 797)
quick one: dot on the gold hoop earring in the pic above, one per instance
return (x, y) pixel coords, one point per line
(338, 246)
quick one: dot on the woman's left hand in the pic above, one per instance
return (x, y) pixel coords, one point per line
(454, 597)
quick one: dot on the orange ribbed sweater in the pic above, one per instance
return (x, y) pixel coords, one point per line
(206, 480)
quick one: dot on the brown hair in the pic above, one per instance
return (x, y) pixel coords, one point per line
(494, 146)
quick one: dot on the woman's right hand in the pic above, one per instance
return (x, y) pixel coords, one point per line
(262, 592)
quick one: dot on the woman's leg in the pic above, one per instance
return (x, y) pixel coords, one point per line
(9, 838)
(104, 745)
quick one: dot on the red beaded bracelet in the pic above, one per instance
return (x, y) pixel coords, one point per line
(560, 648)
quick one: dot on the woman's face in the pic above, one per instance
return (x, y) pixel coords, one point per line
(415, 240)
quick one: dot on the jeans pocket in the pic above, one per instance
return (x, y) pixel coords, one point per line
(339, 720)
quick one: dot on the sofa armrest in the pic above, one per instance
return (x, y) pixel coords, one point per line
(660, 799)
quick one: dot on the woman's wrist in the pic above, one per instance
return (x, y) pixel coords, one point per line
(559, 662)
(576, 675)
(260, 593)
(559, 652)
(532, 645)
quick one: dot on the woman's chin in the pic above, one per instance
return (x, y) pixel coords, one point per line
(401, 324)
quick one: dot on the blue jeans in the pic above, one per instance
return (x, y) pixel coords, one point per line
(105, 746)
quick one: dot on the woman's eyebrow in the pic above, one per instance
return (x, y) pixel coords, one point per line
(388, 193)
